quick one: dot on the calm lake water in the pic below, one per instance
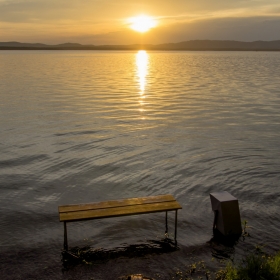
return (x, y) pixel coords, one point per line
(84, 126)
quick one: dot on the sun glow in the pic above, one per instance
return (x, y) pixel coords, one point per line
(142, 23)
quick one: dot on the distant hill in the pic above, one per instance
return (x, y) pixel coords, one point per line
(194, 45)
(203, 45)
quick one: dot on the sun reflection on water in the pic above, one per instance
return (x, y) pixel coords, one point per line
(142, 62)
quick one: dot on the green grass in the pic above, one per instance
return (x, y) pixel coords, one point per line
(255, 266)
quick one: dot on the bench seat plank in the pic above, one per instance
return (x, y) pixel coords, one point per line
(115, 203)
(119, 211)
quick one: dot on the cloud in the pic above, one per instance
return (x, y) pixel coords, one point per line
(240, 29)
(103, 21)
(74, 10)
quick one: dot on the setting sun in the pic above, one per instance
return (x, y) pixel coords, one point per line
(142, 23)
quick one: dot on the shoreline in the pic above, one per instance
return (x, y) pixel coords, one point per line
(135, 49)
(192, 45)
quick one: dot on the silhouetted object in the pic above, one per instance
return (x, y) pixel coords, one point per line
(227, 217)
(117, 208)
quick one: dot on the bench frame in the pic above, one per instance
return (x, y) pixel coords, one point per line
(118, 208)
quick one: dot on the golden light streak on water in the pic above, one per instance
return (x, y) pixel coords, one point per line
(142, 63)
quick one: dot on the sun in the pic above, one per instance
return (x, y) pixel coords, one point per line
(142, 23)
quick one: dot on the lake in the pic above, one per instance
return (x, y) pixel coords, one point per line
(85, 126)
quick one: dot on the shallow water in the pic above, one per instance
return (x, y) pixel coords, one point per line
(83, 126)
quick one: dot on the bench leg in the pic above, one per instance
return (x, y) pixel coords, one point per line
(166, 223)
(175, 234)
(65, 237)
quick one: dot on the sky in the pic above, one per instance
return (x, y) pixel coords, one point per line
(100, 22)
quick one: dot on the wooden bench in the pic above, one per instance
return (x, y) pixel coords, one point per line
(117, 208)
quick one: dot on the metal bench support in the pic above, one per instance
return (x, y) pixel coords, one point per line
(175, 234)
(65, 237)
(166, 223)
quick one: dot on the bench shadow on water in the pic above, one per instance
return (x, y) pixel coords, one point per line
(88, 255)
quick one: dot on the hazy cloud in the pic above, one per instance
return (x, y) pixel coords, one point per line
(242, 29)
(103, 21)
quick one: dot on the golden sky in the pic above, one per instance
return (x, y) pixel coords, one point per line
(106, 21)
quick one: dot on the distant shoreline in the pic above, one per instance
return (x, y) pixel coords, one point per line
(194, 45)
(168, 50)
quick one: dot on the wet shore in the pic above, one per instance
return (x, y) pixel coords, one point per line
(154, 259)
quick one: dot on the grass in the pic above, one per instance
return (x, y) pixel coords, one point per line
(255, 266)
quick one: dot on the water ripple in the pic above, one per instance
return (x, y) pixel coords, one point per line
(91, 126)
